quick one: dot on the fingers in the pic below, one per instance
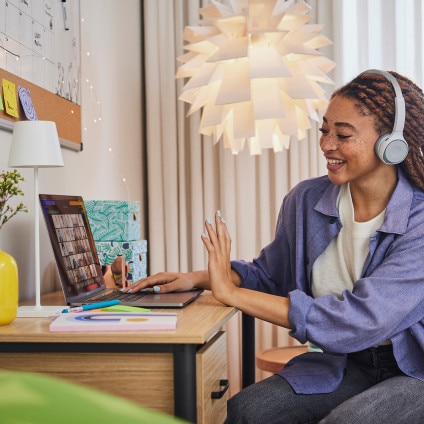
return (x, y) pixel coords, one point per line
(150, 283)
(217, 240)
(173, 286)
(221, 229)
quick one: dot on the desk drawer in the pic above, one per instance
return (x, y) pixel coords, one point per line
(212, 377)
(145, 378)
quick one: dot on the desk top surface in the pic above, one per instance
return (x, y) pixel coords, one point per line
(197, 323)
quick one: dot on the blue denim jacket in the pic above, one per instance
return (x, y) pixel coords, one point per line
(387, 302)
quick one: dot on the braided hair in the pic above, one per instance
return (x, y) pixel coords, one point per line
(374, 95)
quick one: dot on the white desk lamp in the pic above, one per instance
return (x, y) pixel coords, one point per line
(35, 144)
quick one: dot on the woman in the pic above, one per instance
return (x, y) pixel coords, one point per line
(343, 272)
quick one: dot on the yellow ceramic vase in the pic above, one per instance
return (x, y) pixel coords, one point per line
(8, 288)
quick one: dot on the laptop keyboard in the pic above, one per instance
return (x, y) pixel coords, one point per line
(117, 295)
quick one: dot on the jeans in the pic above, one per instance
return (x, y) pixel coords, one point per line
(372, 391)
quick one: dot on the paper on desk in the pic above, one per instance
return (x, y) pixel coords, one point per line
(114, 321)
(123, 308)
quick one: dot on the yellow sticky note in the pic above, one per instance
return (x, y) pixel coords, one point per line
(9, 93)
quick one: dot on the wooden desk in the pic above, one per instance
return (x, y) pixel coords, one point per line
(170, 371)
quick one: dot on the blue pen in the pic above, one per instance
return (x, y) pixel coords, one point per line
(91, 306)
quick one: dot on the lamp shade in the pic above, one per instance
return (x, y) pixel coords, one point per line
(35, 144)
(255, 70)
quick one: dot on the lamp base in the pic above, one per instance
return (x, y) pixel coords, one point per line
(39, 311)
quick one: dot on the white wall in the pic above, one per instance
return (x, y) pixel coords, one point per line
(112, 149)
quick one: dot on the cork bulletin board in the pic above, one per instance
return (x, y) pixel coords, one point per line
(49, 107)
(40, 65)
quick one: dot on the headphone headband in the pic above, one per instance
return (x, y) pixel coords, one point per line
(399, 100)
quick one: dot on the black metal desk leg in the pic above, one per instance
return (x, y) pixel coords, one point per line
(248, 350)
(185, 382)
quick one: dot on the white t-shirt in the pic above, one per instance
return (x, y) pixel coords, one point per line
(342, 262)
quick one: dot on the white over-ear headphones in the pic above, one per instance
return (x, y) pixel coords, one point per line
(392, 148)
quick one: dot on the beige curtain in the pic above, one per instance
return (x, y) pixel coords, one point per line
(382, 34)
(189, 178)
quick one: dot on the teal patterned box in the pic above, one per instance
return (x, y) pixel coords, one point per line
(135, 253)
(113, 220)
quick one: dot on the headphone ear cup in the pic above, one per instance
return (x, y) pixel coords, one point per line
(391, 149)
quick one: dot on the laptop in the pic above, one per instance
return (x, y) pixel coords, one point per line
(78, 264)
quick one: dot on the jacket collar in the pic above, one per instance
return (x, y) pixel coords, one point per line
(397, 211)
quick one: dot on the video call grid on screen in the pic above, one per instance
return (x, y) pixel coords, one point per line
(74, 250)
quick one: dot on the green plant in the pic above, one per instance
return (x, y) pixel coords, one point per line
(9, 187)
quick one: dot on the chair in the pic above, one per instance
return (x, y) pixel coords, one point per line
(275, 359)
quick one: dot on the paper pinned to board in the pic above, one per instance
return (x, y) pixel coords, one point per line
(9, 93)
(26, 103)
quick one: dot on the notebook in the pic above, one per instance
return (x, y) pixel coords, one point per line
(78, 264)
(115, 321)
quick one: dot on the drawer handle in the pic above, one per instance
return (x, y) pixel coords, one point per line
(218, 395)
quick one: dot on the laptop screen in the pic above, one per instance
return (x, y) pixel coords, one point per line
(73, 245)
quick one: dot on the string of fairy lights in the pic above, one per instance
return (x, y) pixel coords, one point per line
(95, 118)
